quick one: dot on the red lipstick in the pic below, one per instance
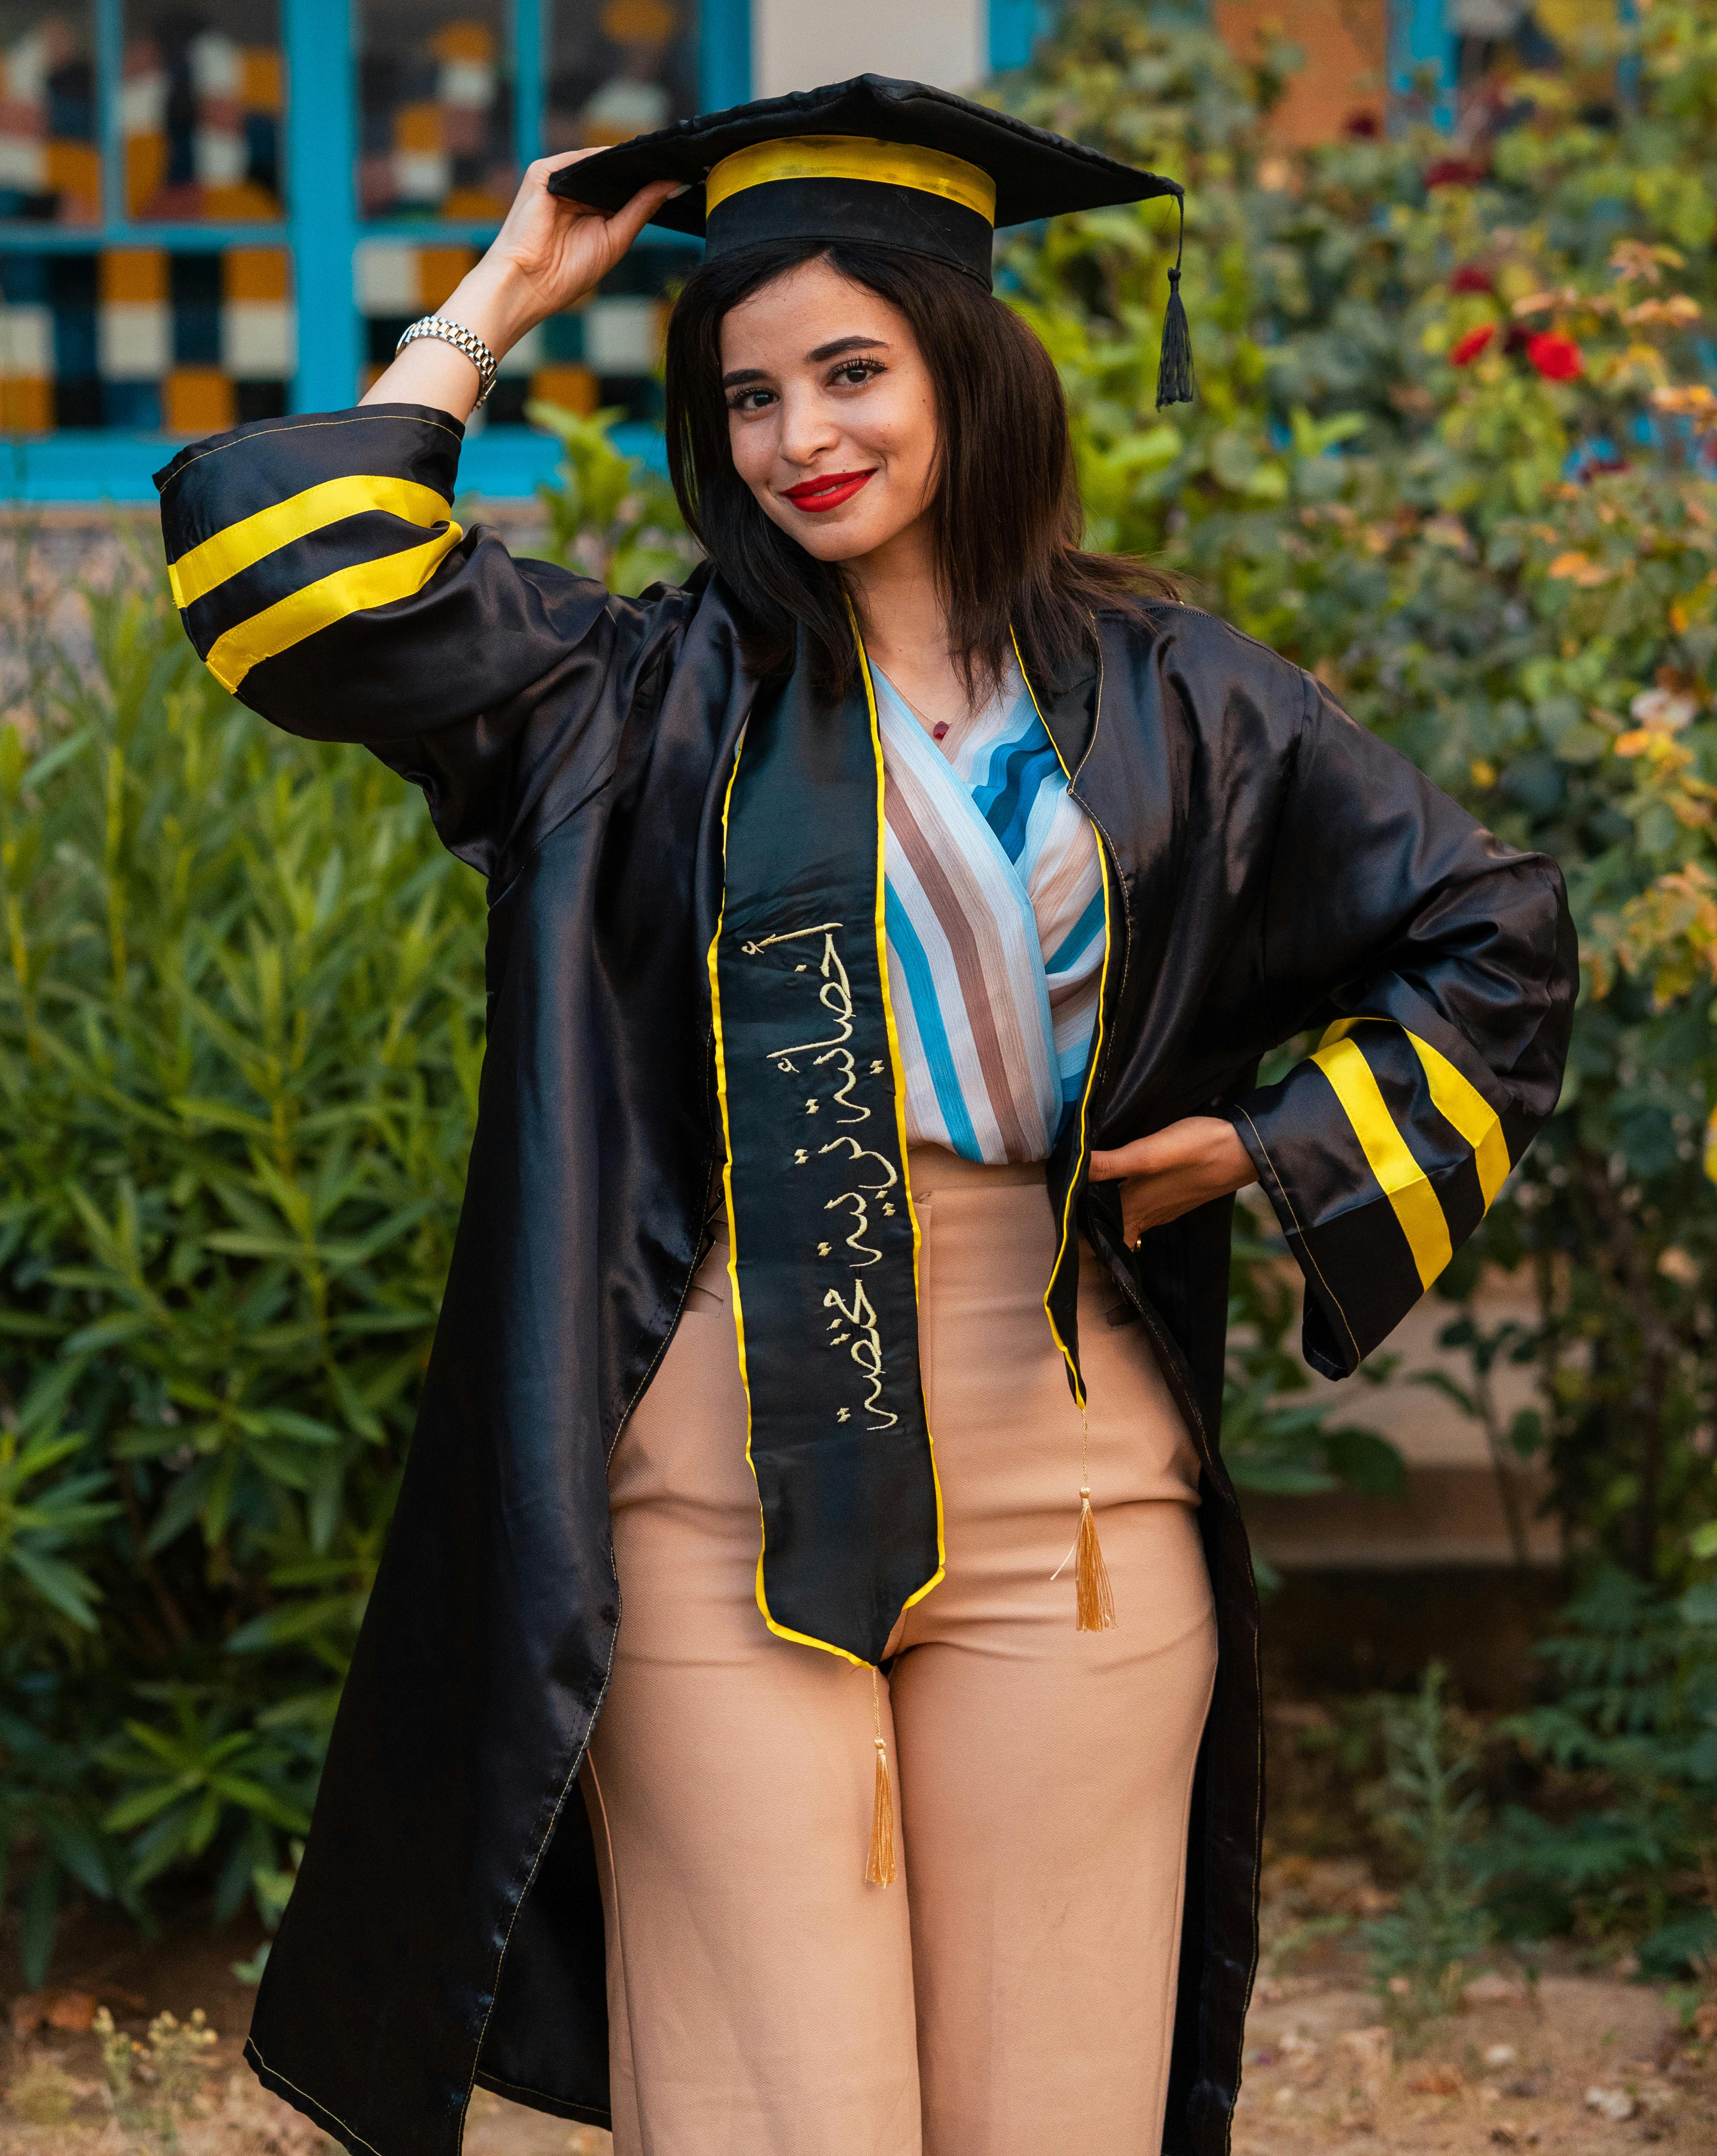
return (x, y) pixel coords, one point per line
(828, 490)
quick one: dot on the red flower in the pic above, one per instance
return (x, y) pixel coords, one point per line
(1453, 172)
(1557, 357)
(1362, 127)
(1471, 277)
(1466, 349)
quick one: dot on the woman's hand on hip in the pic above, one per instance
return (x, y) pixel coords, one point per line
(547, 254)
(1172, 1170)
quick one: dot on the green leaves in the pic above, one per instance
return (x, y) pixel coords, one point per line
(610, 514)
(1453, 452)
(240, 1031)
(183, 1782)
(1429, 1807)
(1630, 1734)
(1278, 1438)
(53, 1497)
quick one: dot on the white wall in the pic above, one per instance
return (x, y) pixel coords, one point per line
(799, 44)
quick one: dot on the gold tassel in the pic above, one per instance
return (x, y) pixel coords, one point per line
(880, 1872)
(1091, 1575)
(1092, 1594)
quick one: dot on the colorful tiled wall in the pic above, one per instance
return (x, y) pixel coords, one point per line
(436, 108)
(604, 353)
(137, 338)
(199, 112)
(619, 67)
(50, 168)
(144, 339)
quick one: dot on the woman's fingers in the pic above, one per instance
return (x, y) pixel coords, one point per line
(1142, 1157)
(1172, 1170)
(625, 225)
(562, 158)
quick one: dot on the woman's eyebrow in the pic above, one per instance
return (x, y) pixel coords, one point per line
(846, 343)
(832, 351)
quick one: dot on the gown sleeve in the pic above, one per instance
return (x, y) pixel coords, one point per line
(323, 580)
(1440, 968)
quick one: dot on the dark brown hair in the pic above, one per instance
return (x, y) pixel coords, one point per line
(1006, 512)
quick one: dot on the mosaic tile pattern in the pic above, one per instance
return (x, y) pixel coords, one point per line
(50, 168)
(137, 338)
(618, 68)
(200, 108)
(436, 105)
(604, 353)
(140, 339)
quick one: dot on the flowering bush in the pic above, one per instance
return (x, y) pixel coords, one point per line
(1557, 357)
(1452, 454)
(1467, 347)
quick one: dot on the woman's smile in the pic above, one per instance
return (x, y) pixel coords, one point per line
(827, 491)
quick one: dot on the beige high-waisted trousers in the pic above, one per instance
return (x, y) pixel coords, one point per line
(1012, 1994)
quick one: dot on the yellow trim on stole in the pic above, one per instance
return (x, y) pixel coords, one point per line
(1456, 1099)
(1102, 868)
(243, 545)
(1405, 1184)
(318, 606)
(852, 157)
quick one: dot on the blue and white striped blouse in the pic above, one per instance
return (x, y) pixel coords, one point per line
(995, 926)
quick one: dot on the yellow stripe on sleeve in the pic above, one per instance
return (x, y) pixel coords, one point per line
(241, 545)
(1460, 1102)
(1404, 1181)
(1456, 1099)
(329, 599)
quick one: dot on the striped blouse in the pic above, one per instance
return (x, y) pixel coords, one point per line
(995, 912)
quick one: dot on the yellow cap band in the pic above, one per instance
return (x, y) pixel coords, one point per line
(852, 157)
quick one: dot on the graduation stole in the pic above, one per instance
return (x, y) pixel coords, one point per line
(824, 1243)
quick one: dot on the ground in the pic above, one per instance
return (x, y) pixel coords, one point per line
(1562, 2061)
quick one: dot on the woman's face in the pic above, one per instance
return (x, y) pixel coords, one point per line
(830, 413)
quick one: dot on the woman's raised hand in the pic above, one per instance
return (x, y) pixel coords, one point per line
(547, 254)
(1172, 1170)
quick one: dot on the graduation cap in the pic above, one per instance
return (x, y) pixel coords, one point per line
(895, 164)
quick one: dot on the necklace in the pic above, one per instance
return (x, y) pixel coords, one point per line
(936, 728)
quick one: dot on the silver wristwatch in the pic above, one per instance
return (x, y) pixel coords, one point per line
(462, 340)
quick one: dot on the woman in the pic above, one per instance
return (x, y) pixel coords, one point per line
(933, 890)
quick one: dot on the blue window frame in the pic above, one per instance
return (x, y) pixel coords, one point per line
(184, 235)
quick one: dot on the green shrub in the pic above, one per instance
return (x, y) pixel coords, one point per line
(1630, 1735)
(1514, 577)
(1428, 1808)
(240, 1032)
(1510, 575)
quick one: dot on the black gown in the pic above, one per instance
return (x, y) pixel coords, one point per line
(1272, 867)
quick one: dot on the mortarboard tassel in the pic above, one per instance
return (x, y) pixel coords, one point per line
(880, 1872)
(1174, 381)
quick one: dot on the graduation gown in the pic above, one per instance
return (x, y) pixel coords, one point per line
(1273, 869)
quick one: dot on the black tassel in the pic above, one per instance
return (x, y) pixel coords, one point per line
(1174, 381)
